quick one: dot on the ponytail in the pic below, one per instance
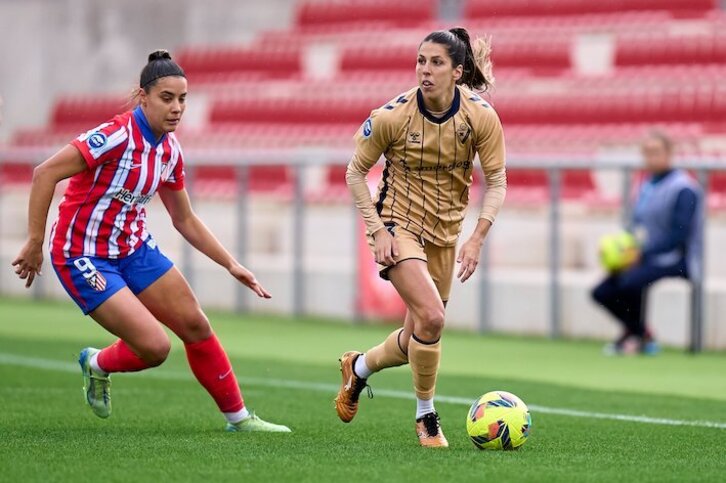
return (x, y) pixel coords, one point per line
(475, 61)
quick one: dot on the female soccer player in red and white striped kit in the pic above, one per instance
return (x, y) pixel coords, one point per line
(108, 262)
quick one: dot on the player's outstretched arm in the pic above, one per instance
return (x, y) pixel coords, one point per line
(64, 164)
(193, 229)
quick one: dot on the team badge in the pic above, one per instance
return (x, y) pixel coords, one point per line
(367, 128)
(165, 171)
(97, 281)
(463, 133)
(96, 140)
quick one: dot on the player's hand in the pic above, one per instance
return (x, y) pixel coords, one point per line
(468, 258)
(29, 261)
(386, 248)
(632, 257)
(248, 278)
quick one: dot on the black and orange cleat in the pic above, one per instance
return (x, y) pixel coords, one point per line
(346, 402)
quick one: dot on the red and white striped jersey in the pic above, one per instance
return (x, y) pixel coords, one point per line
(103, 212)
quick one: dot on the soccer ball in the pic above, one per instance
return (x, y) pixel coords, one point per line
(498, 420)
(618, 251)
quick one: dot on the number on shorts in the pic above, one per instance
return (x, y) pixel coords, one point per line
(87, 268)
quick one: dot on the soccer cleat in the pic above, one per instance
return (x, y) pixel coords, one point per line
(96, 386)
(623, 345)
(253, 423)
(429, 432)
(346, 402)
(649, 348)
(613, 349)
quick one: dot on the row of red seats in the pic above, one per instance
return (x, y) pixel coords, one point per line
(213, 65)
(666, 49)
(507, 27)
(534, 139)
(678, 104)
(88, 110)
(536, 8)
(553, 55)
(396, 12)
(317, 13)
(503, 30)
(274, 62)
(598, 103)
(209, 64)
(381, 84)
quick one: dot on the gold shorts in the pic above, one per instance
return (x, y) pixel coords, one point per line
(440, 260)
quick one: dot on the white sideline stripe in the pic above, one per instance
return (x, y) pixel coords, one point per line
(62, 366)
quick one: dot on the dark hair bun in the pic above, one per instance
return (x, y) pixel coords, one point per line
(161, 54)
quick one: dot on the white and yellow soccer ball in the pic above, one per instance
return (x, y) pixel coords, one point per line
(498, 420)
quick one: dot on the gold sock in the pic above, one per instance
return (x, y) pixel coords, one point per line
(386, 354)
(424, 359)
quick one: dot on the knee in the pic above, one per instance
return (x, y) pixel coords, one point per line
(154, 352)
(195, 328)
(603, 292)
(430, 323)
(632, 285)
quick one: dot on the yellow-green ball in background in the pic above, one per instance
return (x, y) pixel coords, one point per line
(617, 251)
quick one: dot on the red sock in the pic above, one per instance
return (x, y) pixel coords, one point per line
(213, 370)
(118, 357)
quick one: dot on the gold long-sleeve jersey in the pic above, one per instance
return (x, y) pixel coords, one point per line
(429, 161)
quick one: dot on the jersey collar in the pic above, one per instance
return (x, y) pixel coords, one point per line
(146, 129)
(439, 120)
(657, 178)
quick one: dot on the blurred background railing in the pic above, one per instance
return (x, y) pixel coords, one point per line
(304, 239)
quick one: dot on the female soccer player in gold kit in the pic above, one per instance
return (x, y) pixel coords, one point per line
(429, 137)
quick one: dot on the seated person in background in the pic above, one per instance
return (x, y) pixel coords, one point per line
(667, 221)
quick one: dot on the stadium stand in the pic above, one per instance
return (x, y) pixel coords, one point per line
(662, 71)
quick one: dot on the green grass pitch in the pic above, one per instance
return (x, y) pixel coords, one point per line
(166, 428)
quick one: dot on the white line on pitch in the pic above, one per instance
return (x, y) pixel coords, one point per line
(62, 366)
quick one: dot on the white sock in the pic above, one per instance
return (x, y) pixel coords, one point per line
(94, 364)
(237, 416)
(361, 369)
(423, 407)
